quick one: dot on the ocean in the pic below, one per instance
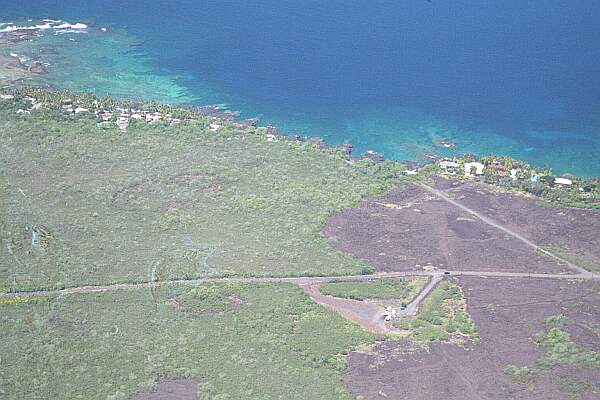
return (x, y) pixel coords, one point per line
(402, 77)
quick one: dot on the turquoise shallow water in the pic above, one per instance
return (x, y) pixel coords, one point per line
(514, 78)
(106, 63)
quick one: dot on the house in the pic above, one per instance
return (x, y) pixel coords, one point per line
(448, 165)
(563, 181)
(513, 174)
(535, 177)
(473, 165)
(154, 117)
(498, 167)
(408, 172)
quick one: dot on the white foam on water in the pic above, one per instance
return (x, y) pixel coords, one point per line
(67, 25)
(8, 29)
(63, 31)
(49, 24)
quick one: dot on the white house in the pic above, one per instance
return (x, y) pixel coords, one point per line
(478, 168)
(448, 164)
(563, 181)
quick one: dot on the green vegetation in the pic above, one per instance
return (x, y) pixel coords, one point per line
(574, 389)
(403, 290)
(442, 317)
(540, 182)
(83, 204)
(560, 351)
(271, 345)
(577, 259)
(208, 298)
(520, 375)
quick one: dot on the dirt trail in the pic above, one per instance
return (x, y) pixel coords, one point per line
(496, 225)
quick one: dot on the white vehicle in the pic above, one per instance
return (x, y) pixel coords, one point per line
(388, 313)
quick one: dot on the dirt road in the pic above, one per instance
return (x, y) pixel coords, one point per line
(368, 315)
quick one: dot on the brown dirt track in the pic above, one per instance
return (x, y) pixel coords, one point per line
(507, 313)
(367, 314)
(411, 227)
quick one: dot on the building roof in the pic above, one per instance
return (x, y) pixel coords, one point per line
(563, 181)
(448, 164)
(478, 168)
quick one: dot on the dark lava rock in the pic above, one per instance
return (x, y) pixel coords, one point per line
(318, 141)
(414, 165)
(20, 35)
(217, 112)
(271, 130)
(373, 156)
(246, 123)
(38, 68)
(347, 149)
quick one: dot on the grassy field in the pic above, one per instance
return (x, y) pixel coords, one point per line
(88, 205)
(403, 290)
(268, 344)
(442, 317)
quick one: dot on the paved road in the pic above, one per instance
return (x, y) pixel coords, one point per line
(413, 307)
(370, 316)
(304, 280)
(491, 222)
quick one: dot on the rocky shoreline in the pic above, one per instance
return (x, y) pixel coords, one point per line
(16, 66)
(110, 113)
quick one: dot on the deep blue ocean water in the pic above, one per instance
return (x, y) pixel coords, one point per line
(515, 77)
